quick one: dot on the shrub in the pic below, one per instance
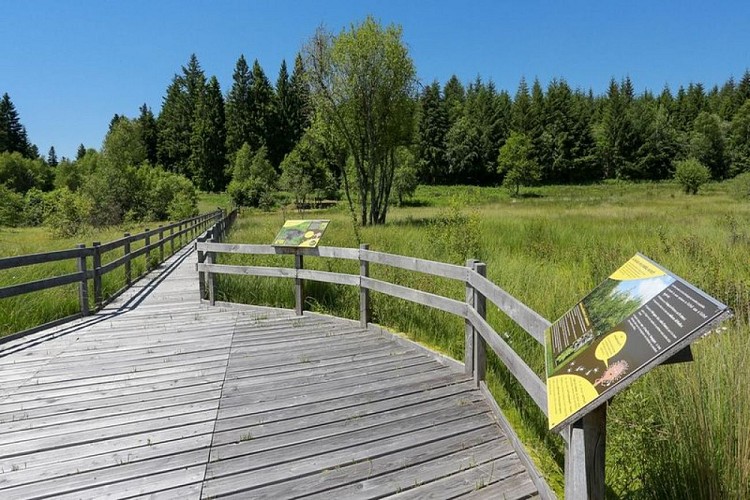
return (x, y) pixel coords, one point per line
(37, 206)
(691, 174)
(253, 179)
(739, 187)
(69, 212)
(11, 207)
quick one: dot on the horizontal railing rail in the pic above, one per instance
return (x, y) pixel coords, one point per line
(94, 262)
(584, 469)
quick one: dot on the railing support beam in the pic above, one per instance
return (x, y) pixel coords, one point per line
(364, 293)
(299, 287)
(584, 458)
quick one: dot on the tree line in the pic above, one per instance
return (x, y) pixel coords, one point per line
(352, 120)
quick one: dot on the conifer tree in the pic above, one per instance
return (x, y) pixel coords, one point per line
(261, 112)
(299, 102)
(208, 140)
(175, 122)
(521, 119)
(13, 137)
(282, 140)
(149, 133)
(238, 108)
(432, 163)
(454, 95)
(81, 152)
(52, 157)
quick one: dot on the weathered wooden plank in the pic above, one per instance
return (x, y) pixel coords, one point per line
(38, 422)
(380, 475)
(345, 385)
(313, 426)
(302, 443)
(27, 474)
(523, 315)
(529, 380)
(472, 480)
(362, 403)
(427, 299)
(29, 446)
(134, 480)
(252, 471)
(272, 272)
(43, 284)
(328, 277)
(434, 268)
(374, 390)
(117, 447)
(431, 467)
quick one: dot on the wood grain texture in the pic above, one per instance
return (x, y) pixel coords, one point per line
(159, 395)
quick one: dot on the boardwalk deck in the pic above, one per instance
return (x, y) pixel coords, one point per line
(160, 396)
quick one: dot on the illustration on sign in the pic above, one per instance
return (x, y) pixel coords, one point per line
(640, 313)
(301, 233)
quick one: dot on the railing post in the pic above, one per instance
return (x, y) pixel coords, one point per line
(97, 264)
(171, 239)
(161, 243)
(299, 286)
(201, 274)
(126, 253)
(468, 328)
(210, 257)
(480, 346)
(83, 287)
(364, 293)
(148, 251)
(585, 455)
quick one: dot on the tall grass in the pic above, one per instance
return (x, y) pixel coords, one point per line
(549, 249)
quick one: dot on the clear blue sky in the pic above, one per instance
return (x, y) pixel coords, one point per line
(70, 65)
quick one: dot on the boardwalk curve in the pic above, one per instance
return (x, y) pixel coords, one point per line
(160, 396)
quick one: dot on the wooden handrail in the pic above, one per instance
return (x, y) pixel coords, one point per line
(89, 260)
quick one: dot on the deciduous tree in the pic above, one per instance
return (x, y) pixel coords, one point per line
(363, 83)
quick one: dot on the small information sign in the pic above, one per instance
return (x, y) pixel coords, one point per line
(301, 233)
(636, 319)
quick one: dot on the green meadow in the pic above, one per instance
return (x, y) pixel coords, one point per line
(680, 431)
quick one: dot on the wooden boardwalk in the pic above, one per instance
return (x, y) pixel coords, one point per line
(161, 396)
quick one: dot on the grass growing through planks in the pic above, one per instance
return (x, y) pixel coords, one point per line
(681, 430)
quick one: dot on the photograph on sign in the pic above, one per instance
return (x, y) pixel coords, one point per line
(639, 314)
(301, 233)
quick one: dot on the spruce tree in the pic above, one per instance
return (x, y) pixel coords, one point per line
(238, 108)
(708, 144)
(282, 140)
(81, 152)
(13, 137)
(175, 122)
(521, 120)
(261, 110)
(52, 157)
(149, 133)
(208, 140)
(454, 95)
(433, 127)
(299, 102)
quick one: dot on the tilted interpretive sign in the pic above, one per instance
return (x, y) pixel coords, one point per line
(636, 319)
(301, 233)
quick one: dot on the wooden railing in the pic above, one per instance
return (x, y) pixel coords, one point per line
(90, 267)
(585, 440)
